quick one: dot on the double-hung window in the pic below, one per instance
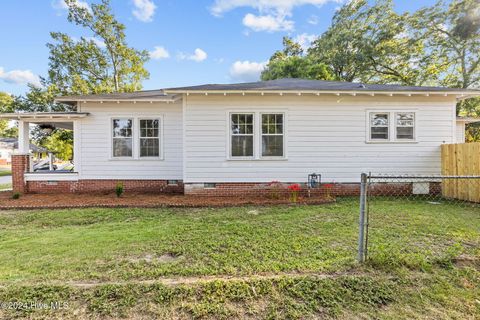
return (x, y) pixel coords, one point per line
(379, 126)
(242, 134)
(391, 126)
(272, 135)
(149, 138)
(256, 135)
(136, 138)
(122, 138)
(405, 125)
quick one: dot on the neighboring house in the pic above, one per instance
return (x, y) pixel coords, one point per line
(234, 138)
(9, 146)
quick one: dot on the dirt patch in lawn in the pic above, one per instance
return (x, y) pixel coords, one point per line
(50, 201)
(153, 258)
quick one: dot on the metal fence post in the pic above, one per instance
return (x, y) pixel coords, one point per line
(361, 224)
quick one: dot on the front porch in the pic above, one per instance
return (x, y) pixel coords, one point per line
(47, 172)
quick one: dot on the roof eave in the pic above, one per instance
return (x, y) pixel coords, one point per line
(44, 115)
(459, 94)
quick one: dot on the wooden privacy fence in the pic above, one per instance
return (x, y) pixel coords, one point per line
(461, 159)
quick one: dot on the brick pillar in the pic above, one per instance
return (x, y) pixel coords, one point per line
(20, 165)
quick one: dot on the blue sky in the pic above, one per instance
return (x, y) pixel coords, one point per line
(191, 41)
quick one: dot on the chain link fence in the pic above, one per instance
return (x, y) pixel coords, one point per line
(418, 221)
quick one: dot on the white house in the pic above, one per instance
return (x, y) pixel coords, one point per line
(8, 146)
(227, 138)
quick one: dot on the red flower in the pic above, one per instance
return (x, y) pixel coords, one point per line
(328, 186)
(294, 187)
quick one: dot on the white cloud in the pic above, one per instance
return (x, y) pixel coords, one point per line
(285, 6)
(144, 10)
(198, 56)
(159, 53)
(272, 13)
(313, 20)
(246, 70)
(20, 77)
(305, 40)
(60, 4)
(267, 23)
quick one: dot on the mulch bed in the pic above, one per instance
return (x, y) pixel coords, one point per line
(140, 200)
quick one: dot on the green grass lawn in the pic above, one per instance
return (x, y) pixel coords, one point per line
(5, 173)
(423, 261)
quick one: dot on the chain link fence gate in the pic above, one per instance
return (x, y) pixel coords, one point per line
(416, 220)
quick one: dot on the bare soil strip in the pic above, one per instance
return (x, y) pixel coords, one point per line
(175, 281)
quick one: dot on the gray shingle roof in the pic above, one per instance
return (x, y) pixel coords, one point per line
(272, 85)
(289, 84)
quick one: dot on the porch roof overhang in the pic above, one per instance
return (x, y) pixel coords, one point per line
(157, 96)
(63, 120)
(44, 116)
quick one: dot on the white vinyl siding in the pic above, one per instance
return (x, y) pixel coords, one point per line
(325, 134)
(95, 135)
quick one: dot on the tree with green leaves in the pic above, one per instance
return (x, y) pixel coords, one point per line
(369, 43)
(100, 63)
(61, 143)
(451, 32)
(372, 43)
(290, 63)
(6, 101)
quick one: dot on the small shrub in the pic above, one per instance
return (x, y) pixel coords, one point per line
(16, 195)
(119, 189)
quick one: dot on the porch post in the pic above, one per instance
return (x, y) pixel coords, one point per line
(21, 158)
(20, 165)
(23, 137)
(76, 146)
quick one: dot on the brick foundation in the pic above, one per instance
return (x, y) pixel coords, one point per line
(89, 186)
(264, 189)
(332, 189)
(220, 190)
(20, 165)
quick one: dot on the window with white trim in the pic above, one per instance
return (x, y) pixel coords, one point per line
(242, 134)
(149, 137)
(391, 126)
(272, 135)
(405, 125)
(122, 137)
(379, 126)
